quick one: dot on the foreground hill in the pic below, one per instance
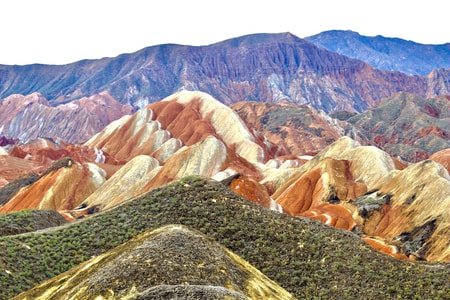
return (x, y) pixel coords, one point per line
(390, 54)
(171, 261)
(262, 67)
(306, 257)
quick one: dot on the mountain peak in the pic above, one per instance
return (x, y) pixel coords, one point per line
(261, 38)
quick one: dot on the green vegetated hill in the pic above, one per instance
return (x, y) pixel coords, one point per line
(170, 262)
(305, 257)
(29, 220)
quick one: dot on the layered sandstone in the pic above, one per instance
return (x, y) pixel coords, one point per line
(400, 211)
(410, 207)
(123, 185)
(62, 187)
(73, 122)
(346, 185)
(295, 130)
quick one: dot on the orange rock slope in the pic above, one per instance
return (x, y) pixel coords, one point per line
(406, 210)
(61, 187)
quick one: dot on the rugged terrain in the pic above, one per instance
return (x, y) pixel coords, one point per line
(307, 258)
(390, 54)
(197, 195)
(74, 122)
(191, 133)
(267, 68)
(406, 126)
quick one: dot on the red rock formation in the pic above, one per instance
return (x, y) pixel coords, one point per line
(252, 190)
(12, 167)
(382, 247)
(410, 207)
(45, 152)
(442, 157)
(184, 122)
(294, 129)
(332, 215)
(63, 187)
(330, 180)
(3, 182)
(312, 194)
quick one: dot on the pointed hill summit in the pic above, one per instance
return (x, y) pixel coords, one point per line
(170, 261)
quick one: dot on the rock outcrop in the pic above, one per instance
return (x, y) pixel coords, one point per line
(351, 186)
(295, 130)
(442, 157)
(74, 122)
(63, 186)
(406, 126)
(408, 207)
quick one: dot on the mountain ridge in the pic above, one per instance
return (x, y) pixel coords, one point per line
(265, 67)
(391, 54)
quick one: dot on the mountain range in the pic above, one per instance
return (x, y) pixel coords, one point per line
(262, 173)
(269, 68)
(390, 54)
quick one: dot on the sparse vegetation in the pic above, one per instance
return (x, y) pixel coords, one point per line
(307, 258)
(29, 220)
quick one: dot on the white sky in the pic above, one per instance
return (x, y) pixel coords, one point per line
(64, 31)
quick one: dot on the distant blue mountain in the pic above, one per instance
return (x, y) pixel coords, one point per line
(389, 54)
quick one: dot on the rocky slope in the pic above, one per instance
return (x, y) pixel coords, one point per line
(296, 130)
(74, 122)
(262, 67)
(442, 157)
(402, 206)
(390, 54)
(406, 126)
